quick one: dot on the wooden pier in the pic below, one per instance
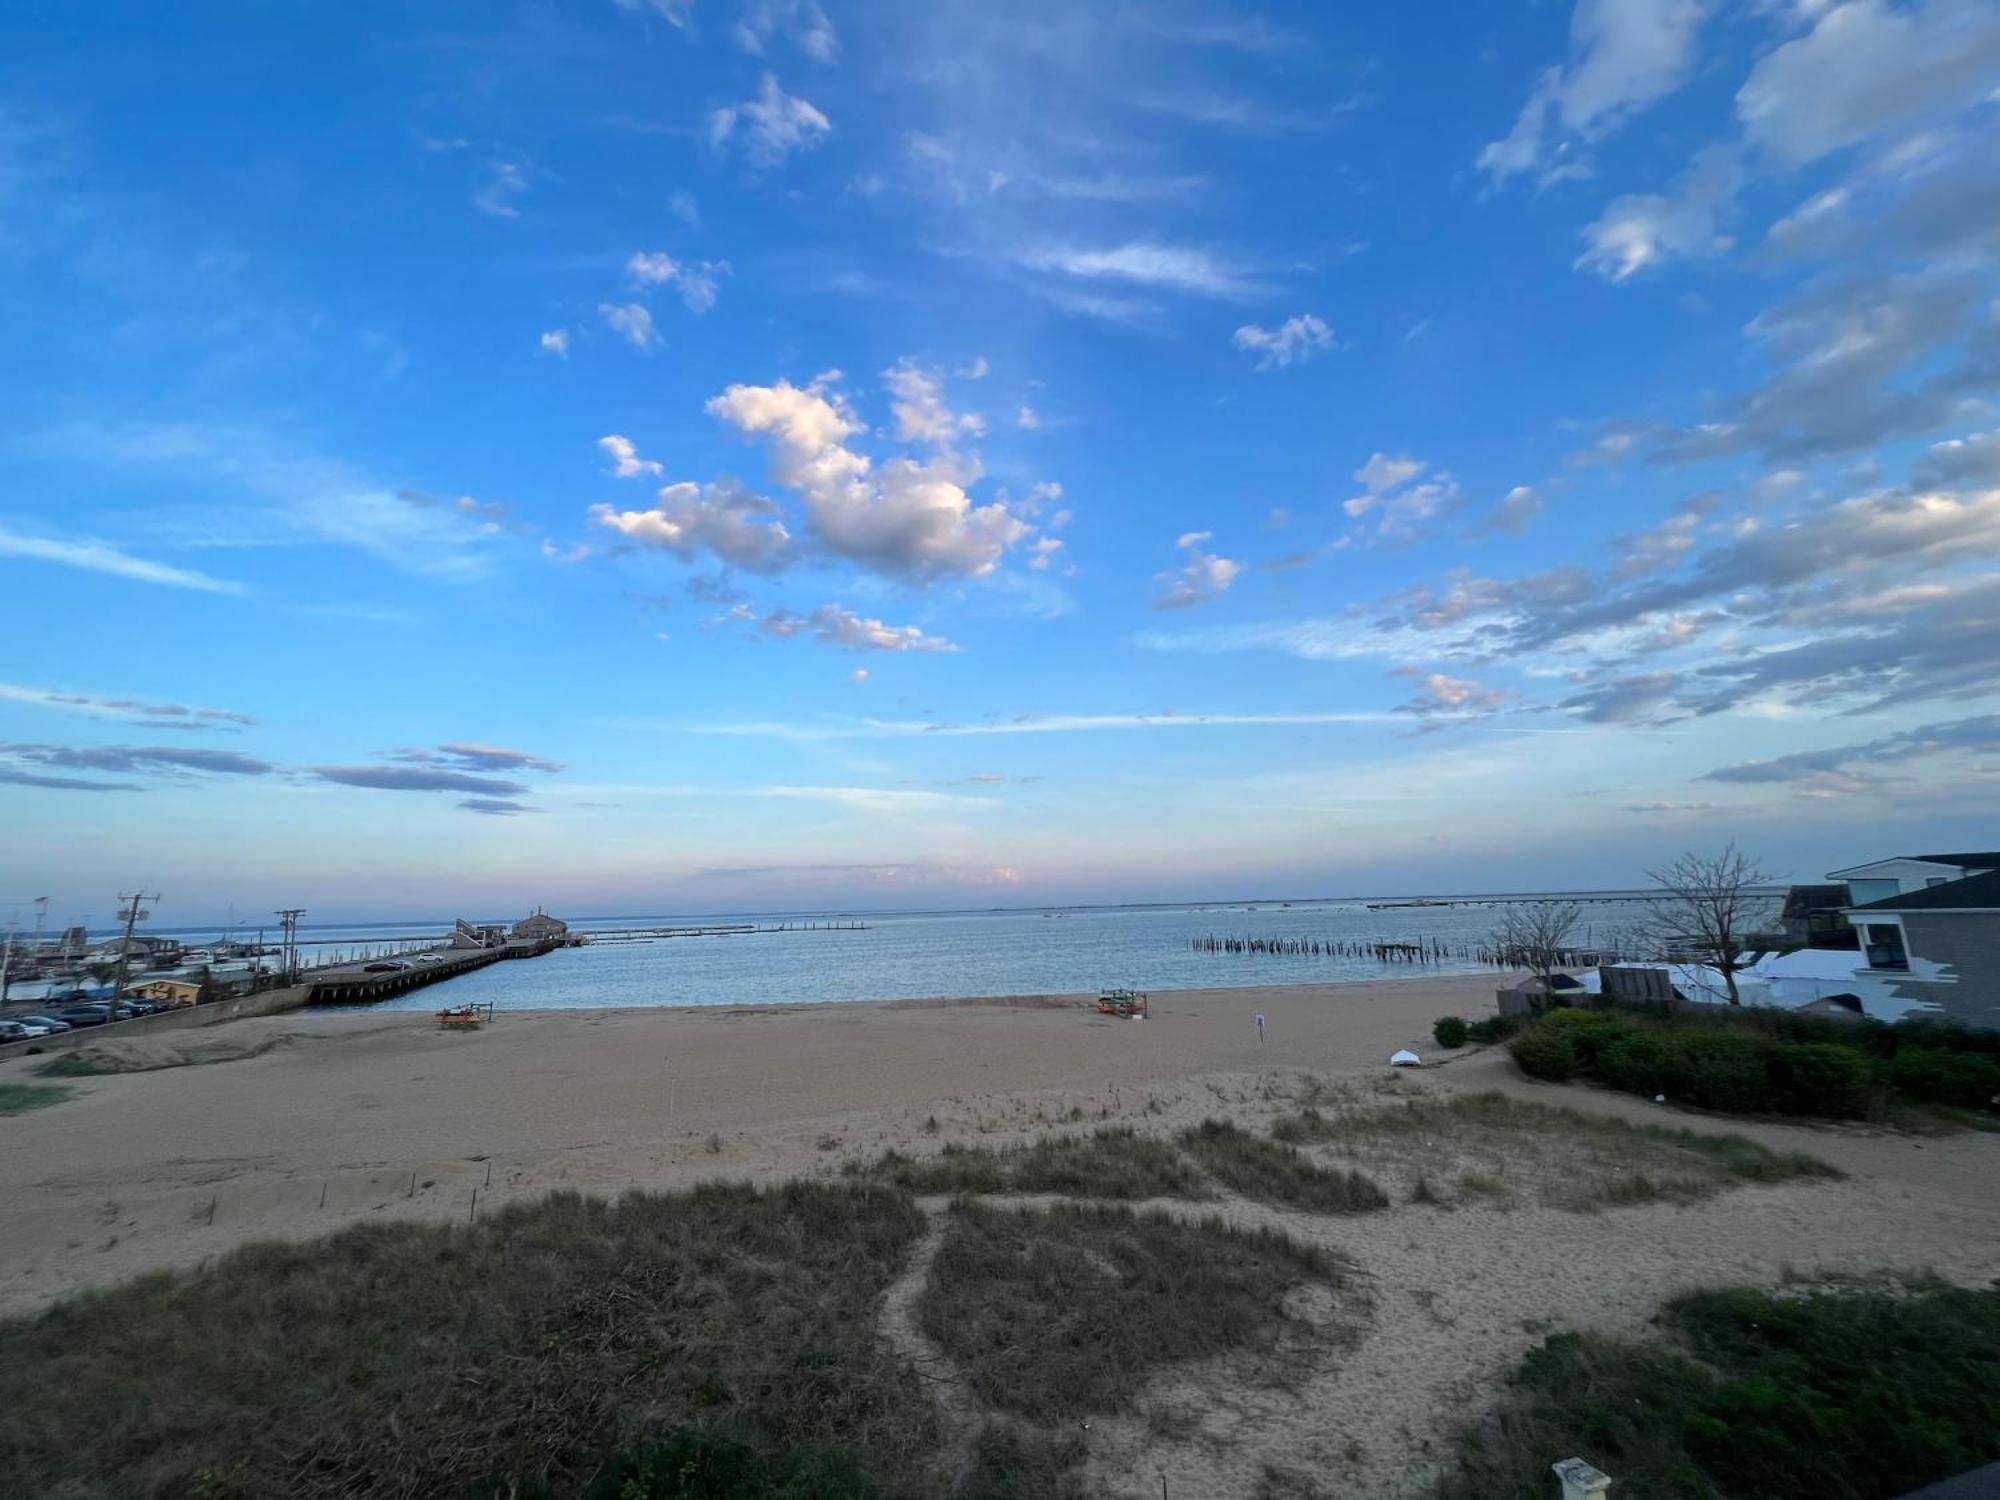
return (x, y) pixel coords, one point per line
(353, 984)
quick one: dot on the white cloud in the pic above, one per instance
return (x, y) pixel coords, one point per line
(501, 186)
(977, 370)
(625, 460)
(697, 281)
(876, 799)
(1516, 512)
(1202, 578)
(678, 14)
(1295, 341)
(920, 410)
(632, 321)
(556, 342)
(723, 519)
(1867, 67)
(770, 127)
(1641, 230)
(803, 22)
(859, 674)
(1386, 472)
(835, 625)
(904, 517)
(1624, 56)
(1169, 268)
(93, 556)
(1027, 420)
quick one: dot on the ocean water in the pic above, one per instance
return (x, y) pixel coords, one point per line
(914, 956)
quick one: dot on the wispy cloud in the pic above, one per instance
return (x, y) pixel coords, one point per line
(876, 799)
(93, 556)
(874, 729)
(169, 715)
(1164, 268)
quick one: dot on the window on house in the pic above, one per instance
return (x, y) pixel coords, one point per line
(1861, 892)
(1884, 946)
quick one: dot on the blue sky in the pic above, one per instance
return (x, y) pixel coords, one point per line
(728, 454)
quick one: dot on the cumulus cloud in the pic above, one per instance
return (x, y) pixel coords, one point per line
(770, 127)
(94, 556)
(1294, 341)
(1400, 512)
(904, 517)
(556, 342)
(1624, 56)
(1440, 694)
(724, 519)
(920, 410)
(625, 460)
(1643, 230)
(835, 625)
(1202, 578)
(631, 321)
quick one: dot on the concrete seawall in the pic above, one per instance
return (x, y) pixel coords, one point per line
(266, 1003)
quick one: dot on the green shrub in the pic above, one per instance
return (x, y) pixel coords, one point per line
(1849, 1394)
(1644, 1062)
(1450, 1032)
(1591, 1031)
(1725, 1072)
(1970, 1080)
(1545, 1052)
(1495, 1028)
(1823, 1078)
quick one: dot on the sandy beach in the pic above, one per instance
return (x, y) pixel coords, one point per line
(295, 1126)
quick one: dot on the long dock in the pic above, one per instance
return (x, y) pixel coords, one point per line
(353, 984)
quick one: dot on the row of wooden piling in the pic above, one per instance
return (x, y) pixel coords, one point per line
(1421, 950)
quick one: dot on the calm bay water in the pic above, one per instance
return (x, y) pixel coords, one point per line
(987, 953)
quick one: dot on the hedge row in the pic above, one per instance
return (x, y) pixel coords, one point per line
(1755, 1068)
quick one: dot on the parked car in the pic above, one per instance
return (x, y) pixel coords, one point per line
(17, 1031)
(54, 1026)
(85, 1015)
(383, 968)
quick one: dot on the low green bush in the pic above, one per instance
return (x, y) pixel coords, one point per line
(1495, 1028)
(1643, 1062)
(1970, 1080)
(1725, 1072)
(695, 1465)
(1450, 1031)
(1545, 1052)
(1822, 1078)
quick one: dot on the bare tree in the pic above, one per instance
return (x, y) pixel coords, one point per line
(1535, 935)
(1708, 902)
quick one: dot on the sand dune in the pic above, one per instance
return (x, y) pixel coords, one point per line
(297, 1125)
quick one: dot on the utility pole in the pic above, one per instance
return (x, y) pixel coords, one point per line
(133, 912)
(290, 918)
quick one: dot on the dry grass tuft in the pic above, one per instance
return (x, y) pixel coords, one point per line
(1502, 1150)
(502, 1357)
(1112, 1163)
(1276, 1173)
(1052, 1316)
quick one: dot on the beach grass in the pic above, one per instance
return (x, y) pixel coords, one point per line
(19, 1098)
(1489, 1149)
(70, 1065)
(1274, 1172)
(1052, 1316)
(1115, 1163)
(506, 1356)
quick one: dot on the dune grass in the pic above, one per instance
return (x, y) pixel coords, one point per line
(1488, 1148)
(1053, 1316)
(1841, 1395)
(1274, 1172)
(1112, 1163)
(19, 1098)
(501, 1357)
(69, 1065)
